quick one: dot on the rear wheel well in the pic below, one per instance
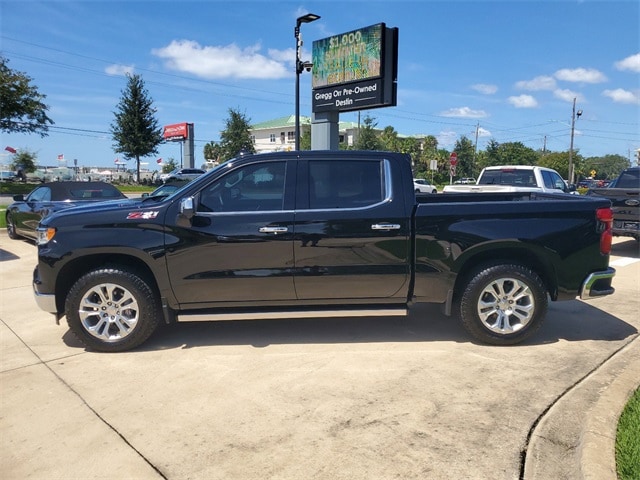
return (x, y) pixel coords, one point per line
(507, 256)
(72, 271)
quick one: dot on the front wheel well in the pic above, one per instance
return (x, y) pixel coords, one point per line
(75, 269)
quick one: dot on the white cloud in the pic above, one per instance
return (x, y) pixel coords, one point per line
(228, 61)
(567, 95)
(119, 69)
(464, 112)
(630, 63)
(485, 88)
(483, 132)
(446, 138)
(523, 101)
(583, 75)
(620, 95)
(542, 82)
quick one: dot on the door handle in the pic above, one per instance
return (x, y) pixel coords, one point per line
(275, 230)
(385, 226)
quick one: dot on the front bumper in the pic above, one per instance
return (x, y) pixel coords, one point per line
(45, 301)
(598, 284)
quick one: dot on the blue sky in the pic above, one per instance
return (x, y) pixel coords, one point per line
(508, 68)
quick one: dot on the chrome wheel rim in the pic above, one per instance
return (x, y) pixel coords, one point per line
(506, 306)
(109, 312)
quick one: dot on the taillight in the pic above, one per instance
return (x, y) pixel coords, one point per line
(605, 219)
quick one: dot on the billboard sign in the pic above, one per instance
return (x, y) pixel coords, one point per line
(356, 70)
(175, 132)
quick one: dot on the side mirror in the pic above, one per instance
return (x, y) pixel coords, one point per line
(18, 198)
(187, 209)
(144, 195)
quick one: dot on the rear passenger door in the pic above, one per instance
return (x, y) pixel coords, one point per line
(352, 232)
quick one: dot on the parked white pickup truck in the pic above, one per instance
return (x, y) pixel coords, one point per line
(515, 178)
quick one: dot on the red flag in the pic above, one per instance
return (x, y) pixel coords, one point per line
(159, 160)
(61, 156)
(10, 149)
(115, 161)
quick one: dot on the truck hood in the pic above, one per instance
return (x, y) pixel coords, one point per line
(123, 208)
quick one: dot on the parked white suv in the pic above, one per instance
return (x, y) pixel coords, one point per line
(420, 185)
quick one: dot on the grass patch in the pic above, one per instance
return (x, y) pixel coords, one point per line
(3, 220)
(628, 440)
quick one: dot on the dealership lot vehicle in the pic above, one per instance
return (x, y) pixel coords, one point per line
(423, 186)
(624, 193)
(377, 397)
(515, 178)
(302, 234)
(24, 214)
(182, 174)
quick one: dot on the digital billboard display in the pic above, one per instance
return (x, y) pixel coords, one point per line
(355, 70)
(351, 56)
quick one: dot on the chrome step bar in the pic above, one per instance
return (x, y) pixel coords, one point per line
(385, 312)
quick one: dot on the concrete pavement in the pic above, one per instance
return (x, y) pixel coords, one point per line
(317, 399)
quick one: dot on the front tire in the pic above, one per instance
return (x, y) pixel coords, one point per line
(503, 304)
(11, 228)
(112, 310)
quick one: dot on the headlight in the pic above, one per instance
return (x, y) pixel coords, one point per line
(44, 235)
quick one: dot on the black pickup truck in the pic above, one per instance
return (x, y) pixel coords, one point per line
(624, 193)
(315, 234)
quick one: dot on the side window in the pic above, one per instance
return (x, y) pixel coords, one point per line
(556, 181)
(345, 184)
(547, 178)
(250, 188)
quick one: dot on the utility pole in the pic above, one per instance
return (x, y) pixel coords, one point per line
(573, 125)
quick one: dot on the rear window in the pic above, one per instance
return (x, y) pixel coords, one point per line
(345, 184)
(85, 193)
(520, 178)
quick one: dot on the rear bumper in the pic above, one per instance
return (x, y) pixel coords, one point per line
(598, 284)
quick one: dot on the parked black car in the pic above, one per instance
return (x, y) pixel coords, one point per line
(624, 193)
(24, 214)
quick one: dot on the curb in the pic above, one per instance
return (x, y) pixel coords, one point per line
(575, 439)
(598, 456)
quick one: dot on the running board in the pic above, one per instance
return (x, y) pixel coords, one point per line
(211, 317)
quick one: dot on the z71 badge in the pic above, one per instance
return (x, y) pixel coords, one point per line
(142, 215)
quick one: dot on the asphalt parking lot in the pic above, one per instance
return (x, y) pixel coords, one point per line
(372, 398)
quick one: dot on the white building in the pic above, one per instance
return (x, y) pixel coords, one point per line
(278, 135)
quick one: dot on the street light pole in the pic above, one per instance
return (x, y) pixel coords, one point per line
(300, 66)
(573, 125)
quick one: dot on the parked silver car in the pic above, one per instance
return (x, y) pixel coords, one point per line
(182, 174)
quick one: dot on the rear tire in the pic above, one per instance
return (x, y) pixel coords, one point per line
(112, 310)
(503, 304)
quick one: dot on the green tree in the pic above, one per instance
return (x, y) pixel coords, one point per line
(170, 166)
(389, 140)
(135, 130)
(23, 162)
(305, 139)
(212, 151)
(367, 135)
(559, 161)
(606, 167)
(465, 148)
(23, 109)
(235, 138)
(510, 153)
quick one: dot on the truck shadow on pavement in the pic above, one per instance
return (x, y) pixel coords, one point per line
(629, 248)
(572, 321)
